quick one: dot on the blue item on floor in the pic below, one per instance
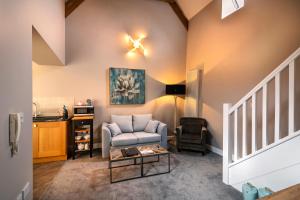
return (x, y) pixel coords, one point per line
(263, 192)
(249, 192)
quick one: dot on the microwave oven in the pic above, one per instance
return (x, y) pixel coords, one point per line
(83, 110)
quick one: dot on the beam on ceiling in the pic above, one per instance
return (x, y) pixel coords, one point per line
(174, 5)
(71, 5)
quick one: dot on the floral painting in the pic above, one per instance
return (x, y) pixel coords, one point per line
(127, 86)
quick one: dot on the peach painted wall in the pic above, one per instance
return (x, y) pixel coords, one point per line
(239, 51)
(49, 20)
(95, 34)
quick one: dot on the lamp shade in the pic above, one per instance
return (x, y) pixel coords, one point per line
(175, 89)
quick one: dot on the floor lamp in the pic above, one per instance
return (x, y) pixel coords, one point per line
(175, 90)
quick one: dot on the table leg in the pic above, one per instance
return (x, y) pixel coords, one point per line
(169, 162)
(142, 167)
(110, 171)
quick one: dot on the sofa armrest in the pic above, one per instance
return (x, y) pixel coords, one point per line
(204, 133)
(163, 131)
(106, 140)
(178, 134)
(178, 131)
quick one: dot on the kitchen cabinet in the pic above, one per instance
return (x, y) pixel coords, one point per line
(49, 141)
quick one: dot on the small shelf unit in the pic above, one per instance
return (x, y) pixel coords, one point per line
(82, 126)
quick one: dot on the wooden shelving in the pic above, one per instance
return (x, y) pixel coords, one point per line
(85, 130)
(83, 150)
(82, 126)
(82, 117)
(82, 141)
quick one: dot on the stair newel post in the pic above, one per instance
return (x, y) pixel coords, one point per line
(226, 142)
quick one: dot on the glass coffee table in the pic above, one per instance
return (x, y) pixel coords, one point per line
(144, 152)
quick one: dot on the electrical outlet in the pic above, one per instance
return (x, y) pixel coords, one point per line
(26, 191)
(20, 196)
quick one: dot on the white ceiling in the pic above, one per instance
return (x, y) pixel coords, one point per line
(191, 7)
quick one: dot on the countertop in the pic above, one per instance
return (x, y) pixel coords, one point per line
(45, 118)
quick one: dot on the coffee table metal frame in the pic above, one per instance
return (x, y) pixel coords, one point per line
(141, 163)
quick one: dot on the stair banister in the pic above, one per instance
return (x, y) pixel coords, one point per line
(277, 108)
(291, 96)
(230, 148)
(226, 143)
(281, 67)
(253, 123)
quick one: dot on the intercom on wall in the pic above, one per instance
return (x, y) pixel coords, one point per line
(15, 126)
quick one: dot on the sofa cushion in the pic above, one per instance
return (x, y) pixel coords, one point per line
(152, 126)
(124, 139)
(114, 129)
(140, 121)
(124, 122)
(143, 137)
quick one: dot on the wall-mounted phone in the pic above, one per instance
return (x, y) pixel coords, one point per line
(15, 127)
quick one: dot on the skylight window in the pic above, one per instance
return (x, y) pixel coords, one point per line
(231, 6)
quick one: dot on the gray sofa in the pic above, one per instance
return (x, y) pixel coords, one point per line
(132, 127)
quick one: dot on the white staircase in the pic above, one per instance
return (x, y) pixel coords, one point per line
(249, 156)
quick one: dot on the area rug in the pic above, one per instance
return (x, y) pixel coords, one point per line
(192, 177)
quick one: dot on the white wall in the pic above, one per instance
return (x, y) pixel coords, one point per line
(95, 41)
(16, 19)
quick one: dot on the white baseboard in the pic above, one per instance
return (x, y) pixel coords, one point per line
(215, 150)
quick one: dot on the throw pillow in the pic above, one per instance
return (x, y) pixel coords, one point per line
(249, 192)
(114, 129)
(263, 192)
(140, 121)
(152, 126)
(124, 122)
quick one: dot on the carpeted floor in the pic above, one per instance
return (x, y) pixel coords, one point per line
(192, 176)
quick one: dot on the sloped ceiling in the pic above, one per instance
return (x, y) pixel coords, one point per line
(42, 54)
(191, 7)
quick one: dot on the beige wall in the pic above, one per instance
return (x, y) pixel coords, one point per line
(239, 51)
(49, 20)
(16, 19)
(41, 52)
(95, 41)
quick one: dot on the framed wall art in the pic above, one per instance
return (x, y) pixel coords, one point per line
(126, 86)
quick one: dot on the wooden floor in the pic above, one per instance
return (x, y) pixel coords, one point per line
(44, 173)
(291, 193)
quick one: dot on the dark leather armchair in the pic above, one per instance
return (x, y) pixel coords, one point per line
(191, 134)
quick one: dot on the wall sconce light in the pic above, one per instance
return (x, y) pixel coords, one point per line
(136, 45)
